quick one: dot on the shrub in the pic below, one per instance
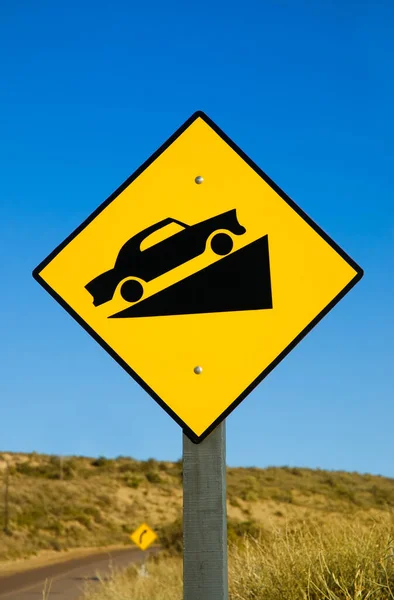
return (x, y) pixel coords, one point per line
(234, 502)
(101, 461)
(45, 470)
(132, 482)
(56, 545)
(148, 465)
(171, 537)
(295, 471)
(153, 477)
(94, 512)
(236, 530)
(83, 520)
(128, 467)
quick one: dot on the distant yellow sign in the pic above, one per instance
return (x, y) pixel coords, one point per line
(198, 275)
(143, 537)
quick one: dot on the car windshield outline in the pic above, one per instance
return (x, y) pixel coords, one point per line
(164, 224)
(141, 266)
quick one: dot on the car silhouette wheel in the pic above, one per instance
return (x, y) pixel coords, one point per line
(222, 244)
(131, 290)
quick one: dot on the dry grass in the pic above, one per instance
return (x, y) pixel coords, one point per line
(335, 560)
(100, 501)
(163, 581)
(342, 561)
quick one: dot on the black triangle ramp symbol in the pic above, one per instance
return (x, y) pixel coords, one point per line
(240, 281)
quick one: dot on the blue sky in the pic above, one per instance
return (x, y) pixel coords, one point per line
(88, 91)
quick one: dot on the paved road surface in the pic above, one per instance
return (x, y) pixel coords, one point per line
(68, 578)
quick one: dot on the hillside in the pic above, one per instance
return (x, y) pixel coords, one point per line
(99, 501)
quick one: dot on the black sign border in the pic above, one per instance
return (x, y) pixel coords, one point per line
(191, 435)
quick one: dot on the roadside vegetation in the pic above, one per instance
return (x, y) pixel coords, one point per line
(334, 559)
(316, 530)
(81, 502)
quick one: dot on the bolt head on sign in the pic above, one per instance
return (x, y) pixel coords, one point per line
(143, 536)
(198, 261)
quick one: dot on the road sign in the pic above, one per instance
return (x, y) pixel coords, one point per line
(143, 536)
(198, 275)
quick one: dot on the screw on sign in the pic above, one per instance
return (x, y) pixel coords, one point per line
(221, 279)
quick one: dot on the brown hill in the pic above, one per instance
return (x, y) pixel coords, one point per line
(86, 502)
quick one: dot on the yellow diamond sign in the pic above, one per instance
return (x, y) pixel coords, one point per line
(143, 536)
(198, 275)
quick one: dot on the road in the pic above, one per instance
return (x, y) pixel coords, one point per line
(68, 578)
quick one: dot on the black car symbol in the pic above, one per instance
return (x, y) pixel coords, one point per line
(145, 265)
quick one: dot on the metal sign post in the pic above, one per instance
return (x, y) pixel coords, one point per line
(205, 574)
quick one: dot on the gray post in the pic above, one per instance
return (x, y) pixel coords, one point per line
(205, 573)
